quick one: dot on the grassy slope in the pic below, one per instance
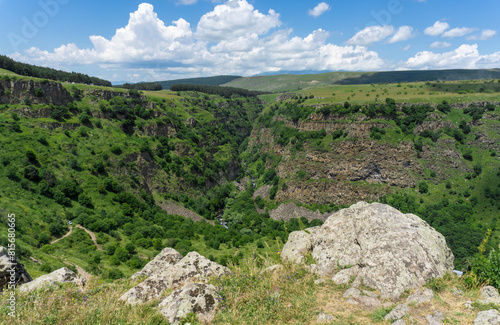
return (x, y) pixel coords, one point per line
(37, 208)
(289, 296)
(290, 82)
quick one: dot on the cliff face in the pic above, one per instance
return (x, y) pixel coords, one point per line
(45, 92)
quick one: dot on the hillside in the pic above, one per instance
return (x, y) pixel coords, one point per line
(209, 81)
(292, 82)
(117, 162)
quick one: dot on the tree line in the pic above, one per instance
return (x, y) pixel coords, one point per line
(30, 70)
(143, 86)
(226, 92)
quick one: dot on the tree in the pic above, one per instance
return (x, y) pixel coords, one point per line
(423, 187)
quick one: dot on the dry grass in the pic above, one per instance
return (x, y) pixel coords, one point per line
(247, 296)
(96, 303)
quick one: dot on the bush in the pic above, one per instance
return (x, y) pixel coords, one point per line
(423, 187)
(85, 201)
(116, 149)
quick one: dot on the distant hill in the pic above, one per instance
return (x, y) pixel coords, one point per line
(292, 82)
(30, 70)
(414, 76)
(209, 81)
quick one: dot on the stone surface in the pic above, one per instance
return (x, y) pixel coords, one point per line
(489, 295)
(325, 318)
(20, 274)
(166, 258)
(198, 298)
(435, 319)
(487, 317)
(191, 268)
(420, 297)
(398, 312)
(62, 275)
(393, 251)
(366, 298)
(287, 211)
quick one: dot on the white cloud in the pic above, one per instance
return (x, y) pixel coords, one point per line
(320, 9)
(464, 57)
(234, 19)
(437, 29)
(458, 32)
(486, 34)
(147, 49)
(406, 48)
(440, 45)
(370, 35)
(404, 33)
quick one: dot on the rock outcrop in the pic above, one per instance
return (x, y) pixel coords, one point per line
(167, 257)
(47, 92)
(200, 298)
(375, 244)
(287, 211)
(186, 275)
(20, 275)
(62, 275)
(487, 317)
(192, 268)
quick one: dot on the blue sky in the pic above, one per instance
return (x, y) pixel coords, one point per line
(168, 39)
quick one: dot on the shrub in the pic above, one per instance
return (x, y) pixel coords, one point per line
(423, 187)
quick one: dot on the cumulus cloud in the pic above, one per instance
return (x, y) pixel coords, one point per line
(234, 19)
(440, 45)
(320, 9)
(458, 32)
(486, 34)
(404, 33)
(370, 35)
(465, 56)
(437, 29)
(148, 49)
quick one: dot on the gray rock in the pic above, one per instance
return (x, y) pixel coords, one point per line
(398, 312)
(344, 276)
(298, 245)
(198, 298)
(352, 293)
(435, 319)
(62, 275)
(319, 281)
(191, 268)
(166, 258)
(489, 295)
(365, 298)
(489, 292)
(20, 275)
(394, 251)
(326, 318)
(420, 297)
(487, 317)
(468, 305)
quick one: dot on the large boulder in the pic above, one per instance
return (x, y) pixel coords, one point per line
(167, 257)
(11, 271)
(62, 275)
(377, 245)
(191, 268)
(198, 298)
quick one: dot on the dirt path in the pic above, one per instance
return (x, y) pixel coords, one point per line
(92, 235)
(58, 239)
(81, 272)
